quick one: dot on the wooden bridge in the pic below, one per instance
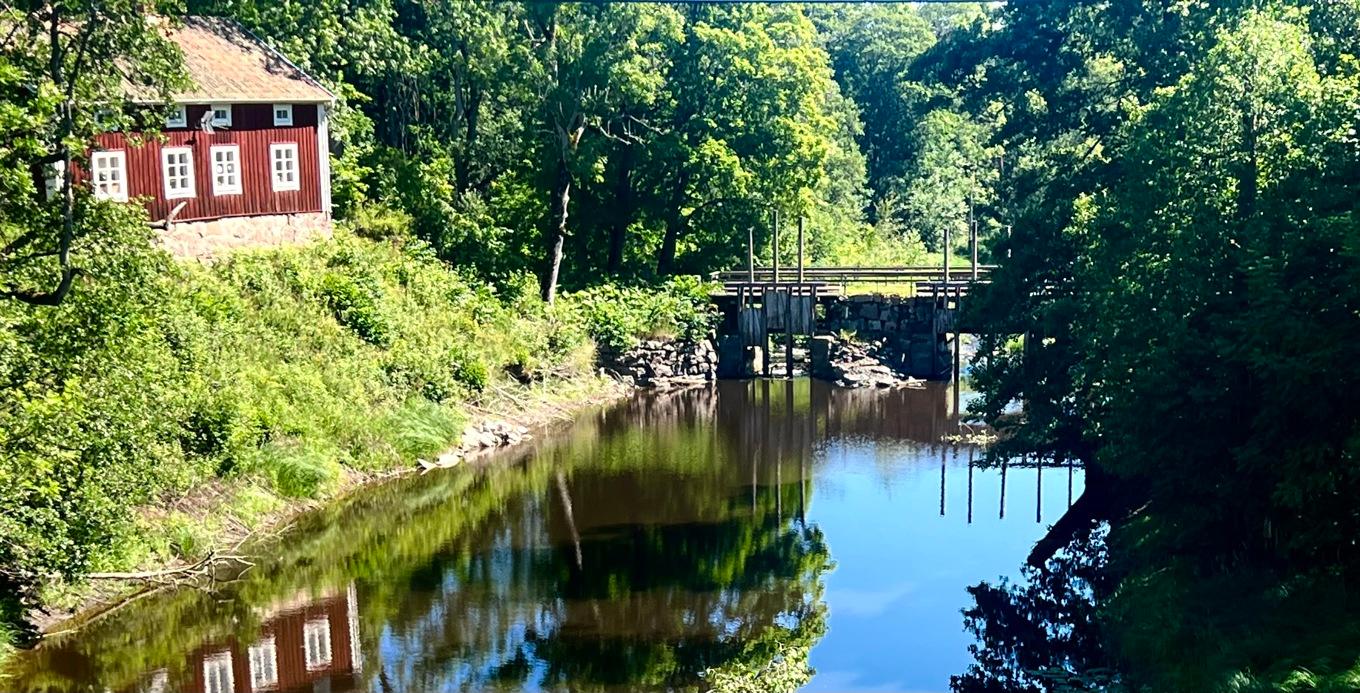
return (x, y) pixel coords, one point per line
(919, 280)
(761, 301)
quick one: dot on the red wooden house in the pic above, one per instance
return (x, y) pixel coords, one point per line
(243, 157)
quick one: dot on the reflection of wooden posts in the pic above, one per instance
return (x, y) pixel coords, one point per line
(1039, 490)
(1069, 483)
(970, 485)
(1004, 463)
(943, 450)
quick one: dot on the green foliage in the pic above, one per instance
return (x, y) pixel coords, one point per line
(616, 317)
(1184, 252)
(292, 369)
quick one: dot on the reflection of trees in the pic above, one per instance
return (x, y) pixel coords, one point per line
(685, 510)
(670, 562)
(1042, 635)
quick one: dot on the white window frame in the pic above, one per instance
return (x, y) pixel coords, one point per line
(287, 119)
(114, 160)
(217, 670)
(316, 643)
(190, 187)
(264, 665)
(178, 117)
(276, 179)
(223, 121)
(218, 187)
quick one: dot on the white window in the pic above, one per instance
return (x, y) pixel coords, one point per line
(226, 169)
(221, 114)
(177, 165)
(283, 114)
(283, 159)
(108, 175)
(217, 675)
(178, 117)
(316, 643)
(264, 665)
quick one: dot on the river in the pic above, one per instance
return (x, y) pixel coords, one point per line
(711, 530)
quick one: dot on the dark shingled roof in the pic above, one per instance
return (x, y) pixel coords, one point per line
(228, 64)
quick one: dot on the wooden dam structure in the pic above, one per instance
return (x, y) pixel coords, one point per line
(917, 306)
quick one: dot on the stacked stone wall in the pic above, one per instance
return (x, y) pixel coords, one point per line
(905, 332)
(661, 362)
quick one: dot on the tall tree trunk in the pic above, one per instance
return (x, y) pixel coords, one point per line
(462, 166)
(557, 231)
(1247, 185)
(623, 212)
(675, 226)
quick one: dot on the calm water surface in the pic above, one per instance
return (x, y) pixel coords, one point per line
(639, 547)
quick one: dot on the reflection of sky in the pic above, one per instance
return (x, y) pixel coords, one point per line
(898, 588)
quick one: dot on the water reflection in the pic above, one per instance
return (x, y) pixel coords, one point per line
(646, 546)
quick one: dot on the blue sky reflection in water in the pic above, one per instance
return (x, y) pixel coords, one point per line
(637, 548)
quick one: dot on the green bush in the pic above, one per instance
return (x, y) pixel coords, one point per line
(618, 317)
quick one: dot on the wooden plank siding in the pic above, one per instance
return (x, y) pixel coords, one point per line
(253, 131)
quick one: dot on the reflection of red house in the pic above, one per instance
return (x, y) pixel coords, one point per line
(311, 646)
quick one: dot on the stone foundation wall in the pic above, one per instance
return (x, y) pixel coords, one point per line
(905, 331)
(204, 240)
(654, 362)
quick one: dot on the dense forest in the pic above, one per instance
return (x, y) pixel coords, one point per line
(1171, 189)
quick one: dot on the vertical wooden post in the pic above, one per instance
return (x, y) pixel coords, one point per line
(774, 242)
(958, 357)
(800, 249)
(788, 335)
(946, 252)
(973, 240)
(750, 255)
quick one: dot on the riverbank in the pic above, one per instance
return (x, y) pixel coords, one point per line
(228, 517)
(169, 412)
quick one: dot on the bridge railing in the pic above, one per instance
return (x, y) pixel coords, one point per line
(910, 281)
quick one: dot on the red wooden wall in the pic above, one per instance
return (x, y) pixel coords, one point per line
(253, 130)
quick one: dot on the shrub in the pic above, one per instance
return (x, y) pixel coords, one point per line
(618, 317)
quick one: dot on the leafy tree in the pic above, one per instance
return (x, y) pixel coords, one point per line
(593, 61)
(58, 64)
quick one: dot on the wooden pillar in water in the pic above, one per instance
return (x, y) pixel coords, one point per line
(774, 265)
(958, 352)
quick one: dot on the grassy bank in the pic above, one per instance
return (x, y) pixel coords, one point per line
(167, 408)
